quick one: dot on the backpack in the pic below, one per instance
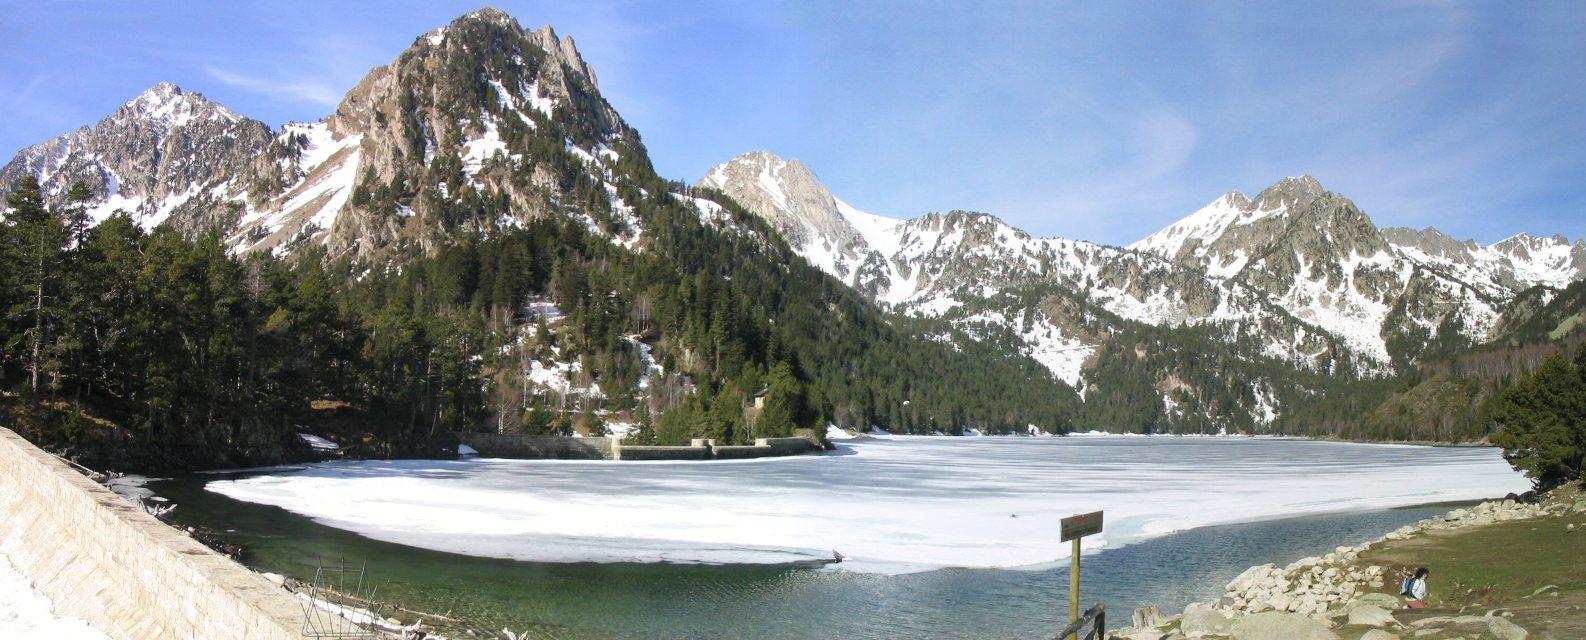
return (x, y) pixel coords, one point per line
(1404, 589)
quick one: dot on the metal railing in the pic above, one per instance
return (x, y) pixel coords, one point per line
(1094, 618)
(340, 603)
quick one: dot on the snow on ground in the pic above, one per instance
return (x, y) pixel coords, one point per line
(478, 151)
(621, 429)
(26, 614)
(891, 504)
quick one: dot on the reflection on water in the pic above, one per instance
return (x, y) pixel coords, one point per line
(664, 601)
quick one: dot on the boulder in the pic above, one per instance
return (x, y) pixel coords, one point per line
(1378, 634)
(1201, 620)
(1281, 626)
(1370, 615)
(1251, 577)
(1146, 618)
(1382, 600)
(1499, 628)
(1131, 633)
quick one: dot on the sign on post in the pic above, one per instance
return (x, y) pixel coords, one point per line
(1076, 527)
(1079, 526)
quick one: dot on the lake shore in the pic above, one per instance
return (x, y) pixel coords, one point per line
(1350, 593)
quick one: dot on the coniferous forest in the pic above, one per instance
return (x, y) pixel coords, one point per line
(146, 349)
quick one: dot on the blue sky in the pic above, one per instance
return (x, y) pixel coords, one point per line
(1101, 121)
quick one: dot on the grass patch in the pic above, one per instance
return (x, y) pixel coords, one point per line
(1500, 566)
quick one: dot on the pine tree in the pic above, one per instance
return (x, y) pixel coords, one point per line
(1541, 421)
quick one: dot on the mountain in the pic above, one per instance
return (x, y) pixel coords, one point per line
(481, 178)
(1293, 286)
(429, 129)
(164, 155)
(473, 239)
(1391, 293)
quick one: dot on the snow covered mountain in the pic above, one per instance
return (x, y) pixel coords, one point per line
(482, 125)
(1297, 276)
(1060, 297)
(435, 142)
(477, 127)
(1389, 293)
(164, 155)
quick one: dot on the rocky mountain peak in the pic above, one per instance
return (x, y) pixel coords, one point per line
(157, 152)
(788, 195)
(1236, 199)
(566, 52)
(1290, 193)
(1523, 244)
(166, 105)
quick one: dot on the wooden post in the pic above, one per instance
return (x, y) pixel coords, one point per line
(1074, 528)
(1073, 589)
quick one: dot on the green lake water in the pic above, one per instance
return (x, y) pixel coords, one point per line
(666, 601)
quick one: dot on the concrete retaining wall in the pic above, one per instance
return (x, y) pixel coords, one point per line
(493, 445)
(625, 452)
(99, 558)
(736, 452)
(787, 446)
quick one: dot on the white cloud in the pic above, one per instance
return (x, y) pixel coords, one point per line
(320, 93)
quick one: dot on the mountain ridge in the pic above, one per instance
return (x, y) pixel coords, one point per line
(1298, 269)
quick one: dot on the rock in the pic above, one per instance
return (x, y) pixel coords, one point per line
(1201, 620)
(1131, 633)
(1456, 624)
(275, 577)
(1305, 563)
(1147, 617)
(1544, 589)
(1251, 577)
(1382, 600)
(1501, 629)
(1281, 626)
(1370, 615)
(1569, 527)
(1378, 634)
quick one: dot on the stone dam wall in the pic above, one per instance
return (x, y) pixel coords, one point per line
(493, 445)
(497, 445)
(104, 560)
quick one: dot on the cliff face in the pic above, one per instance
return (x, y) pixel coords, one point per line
(451, 118)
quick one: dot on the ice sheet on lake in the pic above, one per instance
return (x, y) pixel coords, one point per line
(890, 504)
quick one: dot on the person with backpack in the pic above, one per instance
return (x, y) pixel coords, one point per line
(1414, 588)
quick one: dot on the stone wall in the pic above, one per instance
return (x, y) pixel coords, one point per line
(99, 558)
(787, 446)
(493, 445)
(702, 452)
(739, 452)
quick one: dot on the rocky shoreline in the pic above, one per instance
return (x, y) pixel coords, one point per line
(1313, 597)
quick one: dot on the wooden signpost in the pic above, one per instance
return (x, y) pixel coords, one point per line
(1074, 528)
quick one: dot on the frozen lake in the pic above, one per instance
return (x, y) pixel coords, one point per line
(892, 505)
